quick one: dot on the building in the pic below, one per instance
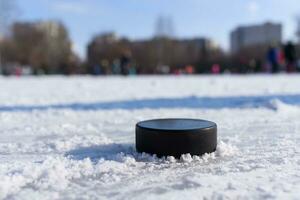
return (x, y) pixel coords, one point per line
(263, 34)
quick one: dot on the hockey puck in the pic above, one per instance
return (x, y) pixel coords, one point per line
(174, 137)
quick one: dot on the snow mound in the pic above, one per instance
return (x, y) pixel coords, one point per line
(223, 150)
(280, 106)
(56, 173)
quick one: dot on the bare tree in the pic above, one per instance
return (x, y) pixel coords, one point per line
(45, 46)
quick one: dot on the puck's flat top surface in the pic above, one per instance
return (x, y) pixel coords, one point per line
(176, 124)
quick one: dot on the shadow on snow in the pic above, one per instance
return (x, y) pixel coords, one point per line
(106, 151)
(183, 102)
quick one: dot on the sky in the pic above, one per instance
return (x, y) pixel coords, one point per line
(136, 19)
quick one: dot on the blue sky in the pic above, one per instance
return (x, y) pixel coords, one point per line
(136, 18)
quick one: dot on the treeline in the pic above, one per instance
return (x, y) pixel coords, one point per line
(111, 55)
(46, 48)
(43, 47)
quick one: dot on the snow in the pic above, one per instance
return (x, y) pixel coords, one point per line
(73, 138)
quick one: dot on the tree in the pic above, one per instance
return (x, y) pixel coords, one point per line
(45, 46)
(55, 46)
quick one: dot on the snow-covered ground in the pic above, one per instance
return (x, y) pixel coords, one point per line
(73, 138)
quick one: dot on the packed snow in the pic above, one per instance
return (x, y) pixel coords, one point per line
(74, 137)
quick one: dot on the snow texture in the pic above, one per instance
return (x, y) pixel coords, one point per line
(73, 138)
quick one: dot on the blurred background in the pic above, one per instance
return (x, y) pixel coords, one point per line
(132, 37)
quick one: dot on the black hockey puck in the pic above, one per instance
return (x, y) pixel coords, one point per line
(174, 137)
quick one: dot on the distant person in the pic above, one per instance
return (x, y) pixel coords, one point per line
(281, 57)
(116, 68)
(215, 69)
(97, 70)
(189, 69)
(125, 62)
(18, 71)
(273, 59)
(290, 57)
(132, 70)
(258, 66)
